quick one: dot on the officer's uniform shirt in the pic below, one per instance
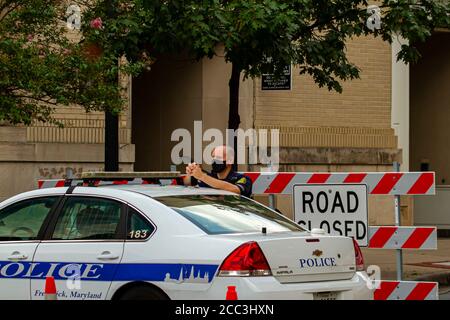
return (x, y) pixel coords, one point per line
(244, 183)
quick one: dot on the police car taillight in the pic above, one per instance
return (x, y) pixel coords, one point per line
(359, 259)
(246, 261)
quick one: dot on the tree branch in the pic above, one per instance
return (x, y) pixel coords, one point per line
(6, 11)
(48, 101)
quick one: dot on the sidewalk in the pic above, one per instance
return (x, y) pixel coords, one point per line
(386, 260)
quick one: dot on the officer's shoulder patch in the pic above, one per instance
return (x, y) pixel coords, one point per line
(242, 180)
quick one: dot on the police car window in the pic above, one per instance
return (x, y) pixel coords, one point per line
(86, 218)
(23, 220)
(222, 214)
(138, 227)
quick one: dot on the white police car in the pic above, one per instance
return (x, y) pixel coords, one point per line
(167, 242)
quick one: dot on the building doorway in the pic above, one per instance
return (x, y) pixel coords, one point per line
(167, 97)
(430, 108)
(430, 127)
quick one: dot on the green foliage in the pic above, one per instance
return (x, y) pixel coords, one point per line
(259, 36)
(40, 68)
(262, 36)
(312, 34)
(154, 27)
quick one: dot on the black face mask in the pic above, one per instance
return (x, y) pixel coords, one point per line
(218, 166)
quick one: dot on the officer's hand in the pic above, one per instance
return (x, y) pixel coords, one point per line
(197, 172)
(188, 170)
(190, 167)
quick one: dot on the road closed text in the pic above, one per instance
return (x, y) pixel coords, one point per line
(337, 209)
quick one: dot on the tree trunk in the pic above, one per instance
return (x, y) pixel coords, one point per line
(233, 116)
(112, 120)
(111, 142)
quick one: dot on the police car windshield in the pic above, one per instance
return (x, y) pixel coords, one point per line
(224, 214)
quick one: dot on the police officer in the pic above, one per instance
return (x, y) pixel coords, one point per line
(222, 175)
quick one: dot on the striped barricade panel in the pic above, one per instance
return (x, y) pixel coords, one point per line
(387, 183)
(57, 183)
(54, 183)
(387, 237)
(407, 290)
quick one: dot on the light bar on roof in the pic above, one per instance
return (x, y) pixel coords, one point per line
(131, 175)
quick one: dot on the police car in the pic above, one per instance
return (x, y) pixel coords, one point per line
(152, 241)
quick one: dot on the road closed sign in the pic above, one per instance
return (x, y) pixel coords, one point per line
(339, 209)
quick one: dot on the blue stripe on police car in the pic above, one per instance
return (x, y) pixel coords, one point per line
(177, 273)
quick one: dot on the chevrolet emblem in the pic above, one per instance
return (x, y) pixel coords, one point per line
(317, 253)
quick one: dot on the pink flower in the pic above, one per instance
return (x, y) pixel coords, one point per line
(97, 23)
(30, 37)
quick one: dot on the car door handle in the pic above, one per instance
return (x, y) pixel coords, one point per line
(17, 256)
(107, 256)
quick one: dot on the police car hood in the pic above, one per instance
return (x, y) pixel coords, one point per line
(302, 257)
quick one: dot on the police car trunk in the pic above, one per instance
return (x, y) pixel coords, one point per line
(292, 258)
